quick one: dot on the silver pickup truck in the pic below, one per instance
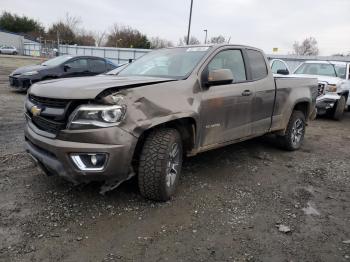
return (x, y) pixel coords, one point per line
(165, 105)
(333, 85)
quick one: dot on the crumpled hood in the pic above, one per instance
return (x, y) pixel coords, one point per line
(25, 69)
(88, 87)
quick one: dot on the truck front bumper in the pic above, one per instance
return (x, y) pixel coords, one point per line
(55, 156)
(326, 102)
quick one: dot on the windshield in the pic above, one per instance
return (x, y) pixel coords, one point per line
(57, 60)
(316, 69)
(341, 70)
(174, 63)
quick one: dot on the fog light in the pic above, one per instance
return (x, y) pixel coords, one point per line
(90, 161)
(93, 160)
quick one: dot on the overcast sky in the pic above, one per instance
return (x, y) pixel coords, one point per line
(260, 23)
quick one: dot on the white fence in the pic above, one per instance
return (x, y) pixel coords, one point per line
(118, 55)
(122, 55)
(32, 49)
(294, 60)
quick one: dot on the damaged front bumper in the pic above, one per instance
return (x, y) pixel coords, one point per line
(326, 102)
(59, 157)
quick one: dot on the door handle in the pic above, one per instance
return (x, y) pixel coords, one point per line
(246, 93)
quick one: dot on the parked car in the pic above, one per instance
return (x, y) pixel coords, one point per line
(333, 88)
(169, 103)
(9, 50)
(280, 67)
(59, 67)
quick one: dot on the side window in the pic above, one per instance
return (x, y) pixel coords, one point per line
(110, 66)
(230, 59)
(97, 65)
(78, 64)
(278, 65)
(257, 64)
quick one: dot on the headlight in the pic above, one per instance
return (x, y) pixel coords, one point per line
(92, 116)
(331, 88)
(30, 73)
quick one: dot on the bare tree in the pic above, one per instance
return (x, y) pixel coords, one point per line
(66, 30)
(100, 38)
(84, 37)
(62, 31)
(307, 47)
(218, 39)
(193, 41)
(72, 22)
(125, 36)
(157, 42)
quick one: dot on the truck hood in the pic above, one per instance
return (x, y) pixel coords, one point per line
(328, 79)
(89, 87)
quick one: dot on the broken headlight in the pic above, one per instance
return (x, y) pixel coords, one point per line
(95, 116)
(331, 88)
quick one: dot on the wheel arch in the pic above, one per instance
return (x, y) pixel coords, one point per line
(186, 126)
(303, 106)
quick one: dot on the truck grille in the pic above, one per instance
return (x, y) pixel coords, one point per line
(49, 102)
(320, 90)
(59, 109)
(48, 125)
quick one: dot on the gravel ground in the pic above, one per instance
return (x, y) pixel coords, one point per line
(246, 202)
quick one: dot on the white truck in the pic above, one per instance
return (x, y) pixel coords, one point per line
(333, 85)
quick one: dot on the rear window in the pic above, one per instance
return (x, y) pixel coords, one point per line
(257, 64)
(97, 65)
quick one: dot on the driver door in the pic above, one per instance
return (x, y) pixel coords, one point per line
(76, 67)
(226, 108)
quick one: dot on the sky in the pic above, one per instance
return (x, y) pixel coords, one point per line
(265, 24)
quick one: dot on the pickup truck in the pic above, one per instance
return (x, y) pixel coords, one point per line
(333, 85)
(168, 104)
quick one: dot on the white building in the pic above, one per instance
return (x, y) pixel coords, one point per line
(13, 39)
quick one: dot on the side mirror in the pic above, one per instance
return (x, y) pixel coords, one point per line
(220, 77)
(66, 67)
(283, 72)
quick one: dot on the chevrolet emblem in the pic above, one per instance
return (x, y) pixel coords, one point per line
(35, 110)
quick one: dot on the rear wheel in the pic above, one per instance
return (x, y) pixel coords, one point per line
(294, 135)
(339, 108)
(160, 164)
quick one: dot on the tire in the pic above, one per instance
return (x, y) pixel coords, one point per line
(160, 164)
(14, 53)
(339, 109)
(295, 132)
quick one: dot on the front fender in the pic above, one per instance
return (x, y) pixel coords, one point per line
(151, 123)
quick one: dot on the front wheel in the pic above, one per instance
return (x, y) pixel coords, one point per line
(339, 108)
(295, 132)
(160, 164)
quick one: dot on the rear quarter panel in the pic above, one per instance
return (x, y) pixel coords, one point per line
(289, 92)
